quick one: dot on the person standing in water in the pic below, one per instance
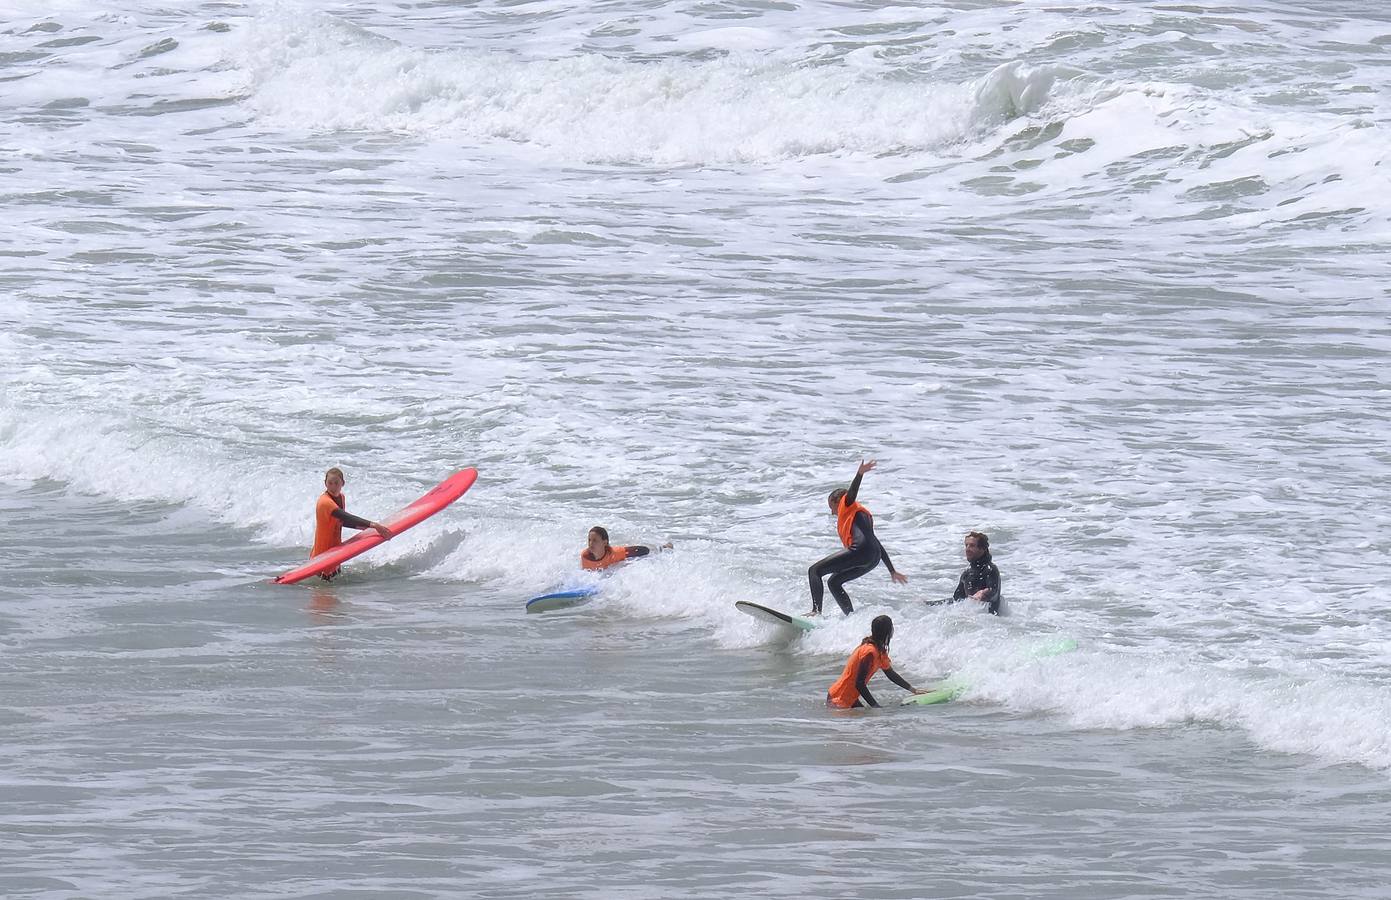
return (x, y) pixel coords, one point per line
(331, 515)
(852, 688)
(862, 552)
(599, 554)
(981, 580)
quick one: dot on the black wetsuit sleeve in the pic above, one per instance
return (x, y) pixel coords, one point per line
(888, 563)
(980, 577)
(637, 550)
(862, 536)
(992, 583)
(897, 679)
(854, 491)
(351, 520)
(862, 681)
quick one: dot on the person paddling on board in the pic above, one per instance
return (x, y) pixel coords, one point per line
(862, 553)
(331, 515)
(981, 580)
(599, 554)
(871, 656)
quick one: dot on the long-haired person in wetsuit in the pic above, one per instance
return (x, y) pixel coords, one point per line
(331, 515)
(600, 554)
(862, 552)
(852, 688)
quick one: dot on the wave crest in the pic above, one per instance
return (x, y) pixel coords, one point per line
(324, 75)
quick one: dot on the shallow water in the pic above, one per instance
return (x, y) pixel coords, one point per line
(1106, 283)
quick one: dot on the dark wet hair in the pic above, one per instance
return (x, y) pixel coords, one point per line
(835, 496)
(881, 631)
(601, 531)
(984, 541)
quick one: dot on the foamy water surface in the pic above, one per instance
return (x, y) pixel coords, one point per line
(1105, 281)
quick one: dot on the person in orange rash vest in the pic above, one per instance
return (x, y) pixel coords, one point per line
(599, 554)
(331, 515)
(871, 656)
(862, 553)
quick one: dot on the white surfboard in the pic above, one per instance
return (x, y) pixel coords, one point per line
(774, 617)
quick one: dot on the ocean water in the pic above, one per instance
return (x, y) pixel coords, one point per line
(1107, 281)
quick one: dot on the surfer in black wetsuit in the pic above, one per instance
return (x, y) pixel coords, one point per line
(862, 552)
(981, 580)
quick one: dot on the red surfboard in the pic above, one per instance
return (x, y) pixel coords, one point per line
(440, 496)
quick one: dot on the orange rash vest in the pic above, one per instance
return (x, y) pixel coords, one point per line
(615, 556)
(845, 519)
(844, 693)
(328, 531)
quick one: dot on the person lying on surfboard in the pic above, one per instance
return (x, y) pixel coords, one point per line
(871, 656)
(599, 554)
(331, 515)
(862, 553)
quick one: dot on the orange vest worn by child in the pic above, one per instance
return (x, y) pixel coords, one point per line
(614, 556)
(845, 519)
(328, 531)
(844, 693)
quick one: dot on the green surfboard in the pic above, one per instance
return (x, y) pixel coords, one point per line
(941, 692)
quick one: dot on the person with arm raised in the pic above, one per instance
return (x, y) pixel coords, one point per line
(862, 553)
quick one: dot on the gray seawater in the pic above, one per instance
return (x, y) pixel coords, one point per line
(1105, 281)
(169, 736)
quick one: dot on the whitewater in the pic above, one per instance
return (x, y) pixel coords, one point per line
(1106, 281)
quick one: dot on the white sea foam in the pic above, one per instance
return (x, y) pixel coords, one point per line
(321, 75)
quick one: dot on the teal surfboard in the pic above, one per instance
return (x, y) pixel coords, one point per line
(774, 617)
(561, 600)
(952, 687)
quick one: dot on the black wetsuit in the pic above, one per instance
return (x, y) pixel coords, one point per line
(348, 519)
(862, 556)
(981, 574)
